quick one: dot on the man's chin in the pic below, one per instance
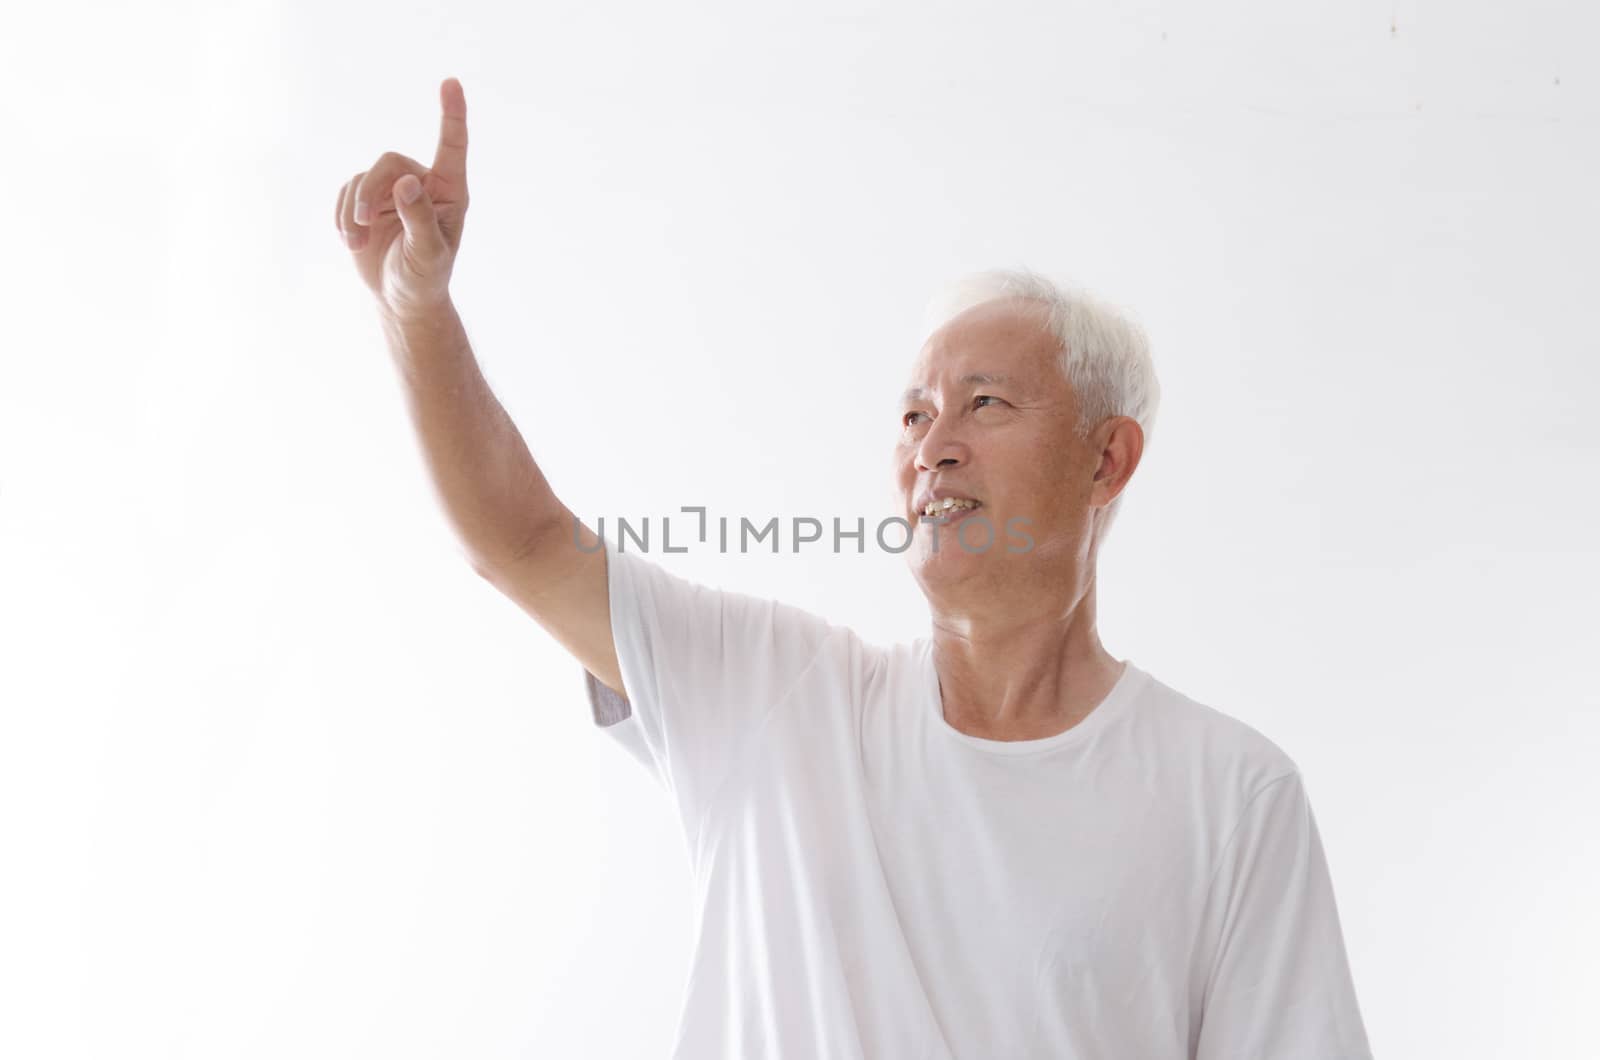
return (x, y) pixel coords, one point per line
(948, 563)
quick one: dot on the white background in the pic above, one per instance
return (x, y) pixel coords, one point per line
(280, 776)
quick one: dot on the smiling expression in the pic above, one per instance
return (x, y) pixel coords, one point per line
(989, 415)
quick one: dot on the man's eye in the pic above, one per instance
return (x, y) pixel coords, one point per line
(906, 419)
(985, 397)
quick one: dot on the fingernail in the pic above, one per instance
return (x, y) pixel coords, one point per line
(363, 212)
(410, 189)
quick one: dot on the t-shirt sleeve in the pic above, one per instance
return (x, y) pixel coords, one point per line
(1279, 983)
(702, 669)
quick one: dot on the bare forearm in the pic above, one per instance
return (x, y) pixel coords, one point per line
(493, 493)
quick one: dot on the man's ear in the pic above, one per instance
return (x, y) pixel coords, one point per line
(1121, 445)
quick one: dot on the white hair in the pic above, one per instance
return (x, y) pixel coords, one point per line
(1104, 354)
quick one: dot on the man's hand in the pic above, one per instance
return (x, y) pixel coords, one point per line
(402, 221)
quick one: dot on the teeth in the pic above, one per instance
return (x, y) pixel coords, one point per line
(948, 504)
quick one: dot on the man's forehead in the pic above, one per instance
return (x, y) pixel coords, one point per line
(981, 356)
(988, 341)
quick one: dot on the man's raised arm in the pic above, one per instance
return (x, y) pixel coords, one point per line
(402, 222)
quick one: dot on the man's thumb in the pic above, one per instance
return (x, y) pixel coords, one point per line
(423, 238)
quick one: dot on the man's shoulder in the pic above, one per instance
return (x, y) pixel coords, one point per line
(875, 667)
(1219, 745)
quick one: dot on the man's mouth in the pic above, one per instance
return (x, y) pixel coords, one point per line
(948, 510)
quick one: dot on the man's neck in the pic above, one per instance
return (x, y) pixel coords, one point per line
(1025, 675)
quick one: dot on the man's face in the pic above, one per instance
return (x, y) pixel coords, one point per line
(990, 416)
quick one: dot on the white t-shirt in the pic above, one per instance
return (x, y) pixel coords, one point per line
(873, 884)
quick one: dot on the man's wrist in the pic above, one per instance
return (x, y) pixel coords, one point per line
(423, 339)
(422, 318)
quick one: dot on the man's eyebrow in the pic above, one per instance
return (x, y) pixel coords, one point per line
(916, 393)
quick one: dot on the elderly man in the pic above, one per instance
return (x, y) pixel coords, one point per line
(995, 841)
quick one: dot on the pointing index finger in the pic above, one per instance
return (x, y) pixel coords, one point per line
(450, 160)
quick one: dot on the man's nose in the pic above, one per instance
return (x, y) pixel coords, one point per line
(941, 448)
